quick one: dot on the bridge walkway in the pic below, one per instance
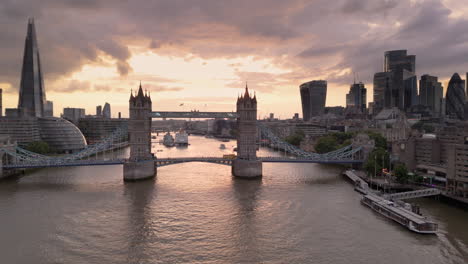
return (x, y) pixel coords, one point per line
(413, 194)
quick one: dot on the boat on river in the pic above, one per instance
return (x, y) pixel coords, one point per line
(401, 213)
(181, 138)
(168, 140)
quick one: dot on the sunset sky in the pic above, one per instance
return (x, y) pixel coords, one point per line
(201, 52)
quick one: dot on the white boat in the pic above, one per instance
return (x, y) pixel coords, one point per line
(181, 138)
(168, 140)
(400, 214)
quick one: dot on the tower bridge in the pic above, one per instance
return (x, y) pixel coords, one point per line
(142, 164)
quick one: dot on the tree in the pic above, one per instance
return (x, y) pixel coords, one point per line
(380, 141)
(428, 128)
(378, 159)
(401, 173)
(40, 147)
(296, 138)
(418, 125)
(326, 144)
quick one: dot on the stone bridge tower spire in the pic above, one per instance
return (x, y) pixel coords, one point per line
(247, 164)
(140, 164)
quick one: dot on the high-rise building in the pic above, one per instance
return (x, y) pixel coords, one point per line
(49, 109)
(1, 105)
(357, 97)
(401, 91)
(73, 114)
(98, 110)
(455, 98)
(106, 111)
(396, 60)
(313, 97)
(410, 84)
(431, 93)
(32, 96)
(382, 90)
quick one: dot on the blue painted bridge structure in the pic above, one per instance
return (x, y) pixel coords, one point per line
(19, 158)
(161, 162)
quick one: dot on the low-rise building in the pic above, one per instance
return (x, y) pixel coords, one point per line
(97, 128)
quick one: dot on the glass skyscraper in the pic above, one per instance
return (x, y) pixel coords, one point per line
(455, 98)
(313, 97)
(396, 86)
(431, 93)
(357, 97)
(32, 96)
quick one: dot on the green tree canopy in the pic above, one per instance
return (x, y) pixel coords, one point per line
(296, 138)
(326, 144)
(401, 173)
(378, 159)
(380, 141)
(40, 147)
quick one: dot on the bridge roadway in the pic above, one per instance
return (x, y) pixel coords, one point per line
(193, 114)
(160, 162)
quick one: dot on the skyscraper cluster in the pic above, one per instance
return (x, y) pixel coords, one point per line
(104, 112)
(396, 87)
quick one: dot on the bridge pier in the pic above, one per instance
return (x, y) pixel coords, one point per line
(248, 169)
(139, 170)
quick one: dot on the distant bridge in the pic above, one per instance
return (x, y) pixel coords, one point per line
(194, 114)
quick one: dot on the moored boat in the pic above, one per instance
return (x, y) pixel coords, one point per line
(401, 213)
(181, 138)
(168, 140)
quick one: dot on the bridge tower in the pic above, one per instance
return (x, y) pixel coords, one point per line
(247, 165)
(140, 164)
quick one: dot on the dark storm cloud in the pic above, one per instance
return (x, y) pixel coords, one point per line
(313, 38)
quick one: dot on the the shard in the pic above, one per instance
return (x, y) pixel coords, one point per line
(32, 92)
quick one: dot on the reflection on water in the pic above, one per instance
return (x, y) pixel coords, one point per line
(199, 213)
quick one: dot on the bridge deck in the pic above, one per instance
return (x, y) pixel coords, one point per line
(160, 114)
(169, 161)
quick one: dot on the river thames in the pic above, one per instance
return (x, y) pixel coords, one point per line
(199, 213)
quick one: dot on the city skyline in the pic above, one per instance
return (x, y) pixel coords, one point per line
(191, 65)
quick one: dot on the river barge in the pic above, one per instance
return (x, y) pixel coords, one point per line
(400, 214)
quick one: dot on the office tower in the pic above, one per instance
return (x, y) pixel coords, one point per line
(98, 110)
(455, 98)
(106, 111)
(73, 114)
(313, 97)
(1, 105)
(431, 93)
(49, 109)
(410, 84)
(466, 86)
(396, 60)
(399, 92)
(382, 90)
(357, 97)
(32, 92)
